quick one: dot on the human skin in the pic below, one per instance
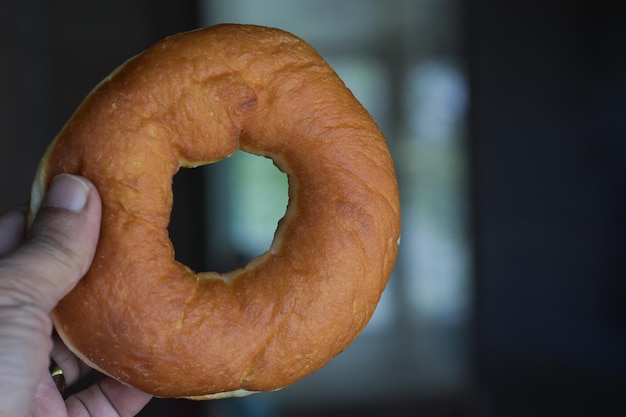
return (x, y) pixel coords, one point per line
(36, 271)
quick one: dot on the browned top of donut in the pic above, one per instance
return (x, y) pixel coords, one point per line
(196, 98)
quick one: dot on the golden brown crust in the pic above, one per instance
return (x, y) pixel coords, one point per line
(195, 98)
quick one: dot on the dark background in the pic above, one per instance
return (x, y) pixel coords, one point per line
(548, 147)
(547, 150)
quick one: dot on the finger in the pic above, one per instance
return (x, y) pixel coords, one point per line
(107, 398)
(24, 348)
(48, 401)
(72, 367)
(60, 245)
(12, 229)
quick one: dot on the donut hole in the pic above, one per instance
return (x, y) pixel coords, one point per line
(225, 214)
(188, 221)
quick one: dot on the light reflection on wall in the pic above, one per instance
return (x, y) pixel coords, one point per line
(435, 206)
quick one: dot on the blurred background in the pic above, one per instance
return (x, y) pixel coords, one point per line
(507, 123)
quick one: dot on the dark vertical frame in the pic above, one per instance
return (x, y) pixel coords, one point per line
(548, 143)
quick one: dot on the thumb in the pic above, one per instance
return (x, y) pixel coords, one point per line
(60, 245)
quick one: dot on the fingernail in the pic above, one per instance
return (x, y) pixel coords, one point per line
(67, 191)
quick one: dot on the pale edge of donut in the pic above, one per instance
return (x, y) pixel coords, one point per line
(38, 190)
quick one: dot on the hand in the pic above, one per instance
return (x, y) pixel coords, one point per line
(35, 273)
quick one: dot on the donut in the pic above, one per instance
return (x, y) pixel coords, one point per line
(195, 98)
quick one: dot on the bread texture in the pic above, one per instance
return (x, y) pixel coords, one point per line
(192, 99)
